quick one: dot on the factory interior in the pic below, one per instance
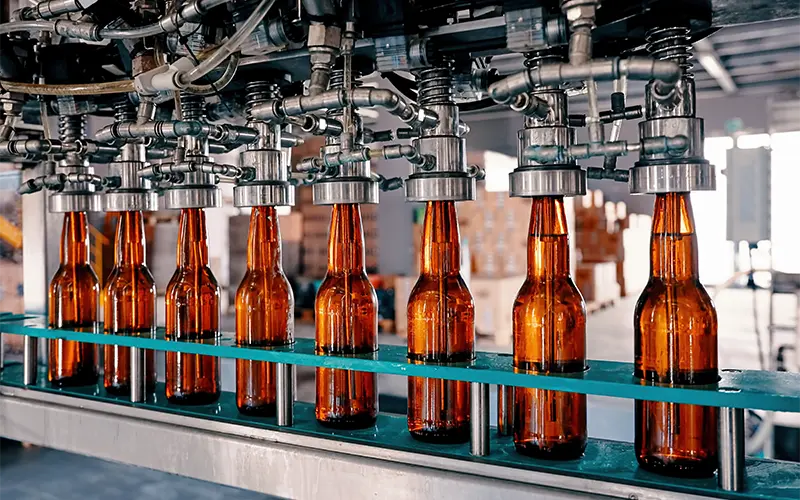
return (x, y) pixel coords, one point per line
(398, 249)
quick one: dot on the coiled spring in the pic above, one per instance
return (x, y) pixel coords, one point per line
(193, 107)
(258, 92)
(71, 128)
(435, 86)
(671, 44)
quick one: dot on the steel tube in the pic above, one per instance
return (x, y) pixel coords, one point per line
(138, 381)
(30, 353)
(505, 410)
(479, 419)
(731, 449)
(284, 393)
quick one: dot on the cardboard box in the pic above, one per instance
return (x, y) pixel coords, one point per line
(402, 291)
(494, 302)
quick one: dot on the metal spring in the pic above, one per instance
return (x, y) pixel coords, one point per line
(337, 79)
(671, 44)
(71, 128)
(541, 57)
(124, 110)
(435, 86)
(193, 107)
(257, 92)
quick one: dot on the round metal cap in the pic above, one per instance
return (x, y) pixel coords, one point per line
(343, 190)
(545, 181)
(130, 201)
(192, 197)
(438, 187)
(60, 203)
(277, 194)
(672, 178)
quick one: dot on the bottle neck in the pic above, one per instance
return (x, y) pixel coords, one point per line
(548, 239)
(130, 242)
(346, 240)
(673, 241)
(75, 239)
(441, 240)
(192, 244)
(264, 240)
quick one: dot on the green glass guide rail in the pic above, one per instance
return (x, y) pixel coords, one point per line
(604, 460)
(761, 390)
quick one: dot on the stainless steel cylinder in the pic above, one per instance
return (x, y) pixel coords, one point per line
(134, 200)
(192, 197)
(505, 410)
(731, 449)
(260, 194)
(547, 180)
(284, 393)
(345, 190)
(30, 359)
(653, 178)
(64, 202)
(439, 187)
(479, 419)
(138, 381)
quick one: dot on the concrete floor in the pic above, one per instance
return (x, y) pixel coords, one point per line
(41, 474)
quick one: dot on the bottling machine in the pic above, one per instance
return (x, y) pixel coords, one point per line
(185, 80)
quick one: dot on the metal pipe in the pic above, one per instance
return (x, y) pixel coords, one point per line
(505, 410)
(7, 128)
(24, 147)
(30, 363)
(54, 8)
(635, 68)
(138, 382)
(284, 393)
(479, 419)
(731, 449)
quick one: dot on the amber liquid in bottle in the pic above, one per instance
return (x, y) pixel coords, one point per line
(192, 314)
(549, 322)
(130, 304)
(441, 329)
(675, 328)
(346, 323)
(72, 298)
(264, 312)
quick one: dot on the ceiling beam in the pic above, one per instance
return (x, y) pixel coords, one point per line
(709, 59)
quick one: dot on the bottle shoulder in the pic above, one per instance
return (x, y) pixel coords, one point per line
(186, 278)
(686, 299)
(453, 285)
(75, 275)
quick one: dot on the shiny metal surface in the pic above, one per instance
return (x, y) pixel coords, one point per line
(257, 459)
(284, 393)
(547, 181)
(121, 201)
(731, 474)
(138, 370)
(345, 190)
(479, 419)
(30, 359)
(276, 194)
(427, 187)
(672, 178)
(75, 202)
(192, 197)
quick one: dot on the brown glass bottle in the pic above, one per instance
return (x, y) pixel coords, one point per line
(346, 323)
(72, 298)
(675, 328)
(441, 329)
(549, 323)
(192, 314)
(129, 305)
(264, 312)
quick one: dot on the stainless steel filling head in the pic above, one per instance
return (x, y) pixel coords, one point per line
(192, 197)
(550, 180)
(654, 178)
(75, 201)
(264, 194)
(130, 201)
(440, 187)
(344, 190)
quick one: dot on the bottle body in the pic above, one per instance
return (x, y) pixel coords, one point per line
(675, 328)
(264, 312)
(72, 299)
(192, 313)
(441, 329)
(129, 305)
(549, 324)
(346, 320)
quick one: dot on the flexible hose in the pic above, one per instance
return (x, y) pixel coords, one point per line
(163, 25)
(118, 87)
(222, 81)
(14, 26)
(230, 46)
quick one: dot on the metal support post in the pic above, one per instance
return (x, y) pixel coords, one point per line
(138, 375)
(284, 397)
(731, 449)
(479, 419)
(505, 410)
(30, 359)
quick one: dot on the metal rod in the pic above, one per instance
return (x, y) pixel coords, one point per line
(479, 419)
(29, 359)
(505, 410)
(731, 449)
(137, 376)
(284, 393)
